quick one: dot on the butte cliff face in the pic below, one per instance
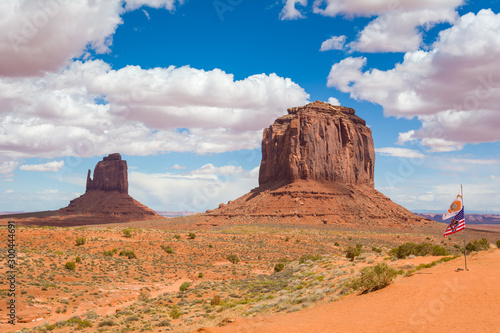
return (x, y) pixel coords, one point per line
(317, 168)
(106, 198)
(110, 174)
(319, 142)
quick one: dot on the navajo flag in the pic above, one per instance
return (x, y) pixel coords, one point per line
(455, 207)
(457, 223)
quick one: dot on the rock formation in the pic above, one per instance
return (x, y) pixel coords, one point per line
(320, 142)
(317, 168)
(110, 174)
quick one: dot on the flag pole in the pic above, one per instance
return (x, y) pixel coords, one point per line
(465, 250)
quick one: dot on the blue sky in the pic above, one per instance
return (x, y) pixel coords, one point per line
(183, 89)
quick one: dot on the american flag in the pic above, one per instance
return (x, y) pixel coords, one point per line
(457, 224)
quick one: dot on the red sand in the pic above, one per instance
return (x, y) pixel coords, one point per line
(438, 299)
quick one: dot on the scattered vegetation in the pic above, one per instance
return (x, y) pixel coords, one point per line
(130, 254)
(184, 286)
(279, 267)
(215, 300)
(80, 241)
(107, 322)
(478, 245)
(78, 259)
(191, 235)
(374, 278)
(352, 252)
(175, 313)
(176, 236)
(168, 249)
(498, 243)
(110, 253)
(70, 265)
(307, 257)
(233, 258)
(127, 233)
(422, 249)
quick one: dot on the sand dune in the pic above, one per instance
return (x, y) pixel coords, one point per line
(438, 299)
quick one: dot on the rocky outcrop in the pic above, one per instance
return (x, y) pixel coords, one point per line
(319, 142)
(110, 174)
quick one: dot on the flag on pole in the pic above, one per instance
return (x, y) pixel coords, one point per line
(455, 207)
(457, 223)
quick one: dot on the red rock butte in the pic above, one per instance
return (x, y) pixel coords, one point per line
(317, 168)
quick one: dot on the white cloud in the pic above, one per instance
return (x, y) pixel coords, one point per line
(399, 152)
(289, 12)
(43, 35)
(333, 43)
(49, 166)
(7, 168)
(62, 114)
(333, 101)
(198, 190)
(396, 23)
(178, 167)
(453, 89)
(9, 191)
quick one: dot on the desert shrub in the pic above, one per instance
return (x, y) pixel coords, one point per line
(163, 323)
(177, 236)
(132, 318)
(109, 253)
(127, 233)
(130, 254)
(200, 275)
(374, 278)
(81, 323)
(184, 286)
(144, 295)
(376, 249)
(478, 245)
(279, 267)
(70, 265)
(498, 243)
(107, 322)
(175, 313)
(336, 244)
(167, 249)
(80, 241)
(422, 249)
(215, 300)
(191, 235)
(307, 257)
(233, 258)
(210, 246)
(352, 252)
(78, 259)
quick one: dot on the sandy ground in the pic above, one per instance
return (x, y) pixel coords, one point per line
(439, 299)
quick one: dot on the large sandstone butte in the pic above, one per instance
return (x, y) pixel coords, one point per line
(106, 200)
(317, 168)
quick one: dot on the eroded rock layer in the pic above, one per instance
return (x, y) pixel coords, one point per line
(319, 142)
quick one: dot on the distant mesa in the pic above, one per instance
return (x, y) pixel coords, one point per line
(317, 168)
(106, 200)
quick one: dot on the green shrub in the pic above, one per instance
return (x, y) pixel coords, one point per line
(163, 323)
(377, 250)
(127, 233)
(175, 313)
(210, 246)
(191, 235)
(200, 275)
(167, 249)
(336, 244)
(233, 258)
(108, 253)
(279, 267)
(498, 243)
(422, 249)
(70, 265)
(374, 278)
(130, 254)
(478, 245)
(307, 257)
(78, 259)
(184, 286)
(81, 241)
(177, 236)
(107, 322)
(352, 252)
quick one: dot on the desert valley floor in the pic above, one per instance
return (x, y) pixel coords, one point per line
(181, 280)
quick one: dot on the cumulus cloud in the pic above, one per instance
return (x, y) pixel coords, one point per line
(87, 109)
(333, 43)
(7, 168)
(197, 190)
(453, 89)
(396, 24)
(49, 166)
(333, 101)
(178, 167)
(33, 42)
(290, 12)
